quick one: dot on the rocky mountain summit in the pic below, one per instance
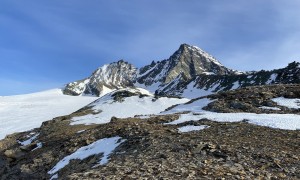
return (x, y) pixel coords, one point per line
(187, 62)
(105, 79)
(188, 72)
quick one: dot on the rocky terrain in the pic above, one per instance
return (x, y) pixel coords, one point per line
(152, 149)
(251, 99)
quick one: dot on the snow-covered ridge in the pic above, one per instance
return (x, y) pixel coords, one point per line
(106, 107)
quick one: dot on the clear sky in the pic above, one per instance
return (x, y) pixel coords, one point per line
(47, 43)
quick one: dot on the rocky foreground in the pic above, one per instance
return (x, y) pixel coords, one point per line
(152, 149)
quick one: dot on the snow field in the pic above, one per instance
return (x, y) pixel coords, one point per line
(25, 112)
(130, 107)
(281, 121)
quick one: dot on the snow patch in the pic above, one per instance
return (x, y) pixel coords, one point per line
(78, 132)
(272, 78)
(105, 146)
(209, 73)
(270, 108)
(193, 92)
(105, 90)
(38, 146)
(55, 176)
(195, 106)
(28, 141)
(190, 128)
(290, 103)
(235, 85)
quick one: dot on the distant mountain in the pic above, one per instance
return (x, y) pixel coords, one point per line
(105, 79)
(189, 72)
(186, 63)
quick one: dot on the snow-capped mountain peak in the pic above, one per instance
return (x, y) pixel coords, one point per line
(199, 52)
(188, 62)
(105, 79)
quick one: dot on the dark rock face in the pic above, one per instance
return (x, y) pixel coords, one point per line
(112, 76)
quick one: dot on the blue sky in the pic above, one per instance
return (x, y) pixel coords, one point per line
(45, 44)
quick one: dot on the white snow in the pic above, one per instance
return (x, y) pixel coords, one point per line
(28, 141)
(24, 112)
(78, 132)
(105, 90)
(209, 73)
(281, 121)
(195, 106)
(105, 146)
(152, 88)
(130, 107)
(270, 108)
(235, 85)
(290, 103)
(272, 78)
(79, 87)
(192, 92)
(55, 176)
(190, 128)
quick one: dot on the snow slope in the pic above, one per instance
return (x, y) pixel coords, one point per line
(131, 106)
(25, 112)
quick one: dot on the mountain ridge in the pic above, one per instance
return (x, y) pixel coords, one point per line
(188, 67)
